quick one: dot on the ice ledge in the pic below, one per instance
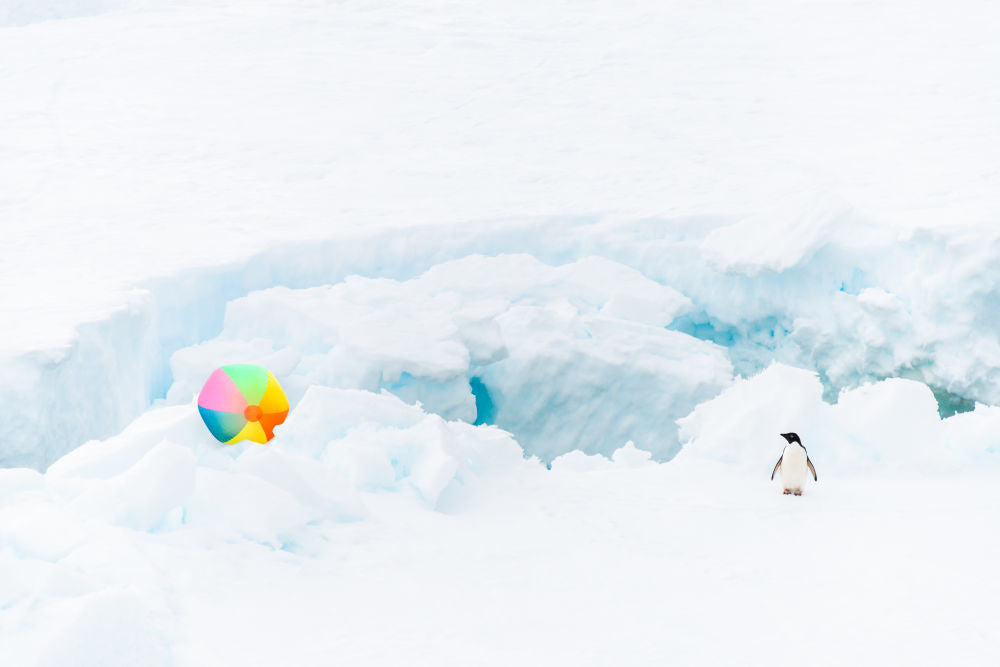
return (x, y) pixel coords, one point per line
(115, 367)
(922, 307)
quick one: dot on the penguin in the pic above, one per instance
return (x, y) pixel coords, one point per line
(793, 464)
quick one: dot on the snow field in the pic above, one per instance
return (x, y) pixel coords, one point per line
(163, 159)
(372, 531)
(386, 523)
(475, 240)
(381, 497)
(371, 526)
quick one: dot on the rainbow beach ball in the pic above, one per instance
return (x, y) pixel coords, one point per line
(242, 402)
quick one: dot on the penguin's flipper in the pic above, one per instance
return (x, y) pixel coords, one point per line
(811, 468)
(778, 465)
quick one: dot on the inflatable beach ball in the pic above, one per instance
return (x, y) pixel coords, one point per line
(242, 402)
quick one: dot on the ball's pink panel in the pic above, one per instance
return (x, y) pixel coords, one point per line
(220, 393)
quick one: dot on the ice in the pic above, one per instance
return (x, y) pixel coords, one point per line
(779, 237)
(851, 299)
(567, 357)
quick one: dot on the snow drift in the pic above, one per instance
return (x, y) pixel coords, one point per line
(888, 427)
(80, 531)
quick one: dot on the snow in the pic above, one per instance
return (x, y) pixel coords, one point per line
(543, 283)
(887, 428)
(163, 159)
(374, 531)
(569, 357)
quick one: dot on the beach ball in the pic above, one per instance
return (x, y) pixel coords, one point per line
(242, 402)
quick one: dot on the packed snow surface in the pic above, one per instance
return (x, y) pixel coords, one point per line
(543, 282)
(373, 532)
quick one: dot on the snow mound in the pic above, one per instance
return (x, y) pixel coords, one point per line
(165, 481)
(566, 357)
(626, 457)
(779, 238)
(374, 442)
(817, 286)
(335, 446)
(884, 427)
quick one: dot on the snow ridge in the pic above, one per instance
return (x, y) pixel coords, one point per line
(857, 304)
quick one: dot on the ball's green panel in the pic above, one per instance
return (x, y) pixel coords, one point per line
(250, 379)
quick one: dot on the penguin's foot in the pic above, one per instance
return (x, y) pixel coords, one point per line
(798, 492)
(787, 491)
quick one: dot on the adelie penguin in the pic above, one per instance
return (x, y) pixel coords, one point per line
(794, 465)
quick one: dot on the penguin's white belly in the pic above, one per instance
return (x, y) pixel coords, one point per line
(793, 468)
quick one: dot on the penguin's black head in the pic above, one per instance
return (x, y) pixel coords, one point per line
(791, 437)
